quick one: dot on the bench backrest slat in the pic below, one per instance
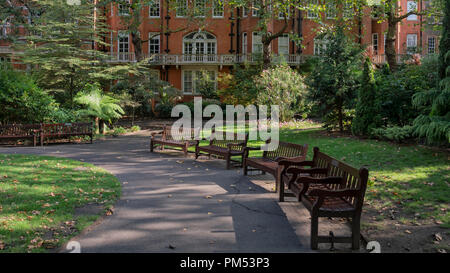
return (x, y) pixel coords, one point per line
(168, 134)
(286, 149)
(352, 178)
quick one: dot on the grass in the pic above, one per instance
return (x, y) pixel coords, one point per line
(38, 197)
(411, 179)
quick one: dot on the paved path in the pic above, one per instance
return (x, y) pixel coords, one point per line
(173, 204)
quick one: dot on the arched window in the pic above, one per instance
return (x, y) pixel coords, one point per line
(199, 46)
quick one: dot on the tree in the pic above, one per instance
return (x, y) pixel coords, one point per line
(22, 101)
(61, 47)
(393, 14)
(101, 107)
(333, 83)
(435, 127)
(367, 114)
(282, 86)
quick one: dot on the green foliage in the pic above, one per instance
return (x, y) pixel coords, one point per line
(284, 87)
(21, 100)
(367, 114)
(59, 48)
(395, 133)
(396, 89)
(118, 131)
(434, 124)
(135, 128)
(206, 85)
(240, 87)
(168, 98)
(63, 115)
(333, 83)
(97, 104)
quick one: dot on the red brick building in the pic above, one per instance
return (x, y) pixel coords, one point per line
(228, 36)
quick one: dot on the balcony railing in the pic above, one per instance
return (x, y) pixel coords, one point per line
(216, 59)
(6, 49)
(401, 58)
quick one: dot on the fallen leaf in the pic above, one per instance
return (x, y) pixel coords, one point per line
(438, 237)
(407, 231)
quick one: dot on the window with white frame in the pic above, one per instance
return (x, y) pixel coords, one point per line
(154, 9)
(320, 45)
(411, 6)
(181, 8)
(124, 9)
(283, 45)
(5, 29)
(123, 45)
(331, 10)
(348, 10)
(256, 6)
(244, 43)
(431, 45)
(218, 8)
(200, 8)
(312, 6)
(200, 47)
(153, 43)
(112, 9)
(192, 77)
(5, 59)
(384, 41)
(411, 43)
(375, 42)
(257, 46)
(245, 11)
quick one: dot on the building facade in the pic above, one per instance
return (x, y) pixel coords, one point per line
(179, 49)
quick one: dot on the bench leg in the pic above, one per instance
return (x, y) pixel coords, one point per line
(151, 146)
(228, 159)
(245, 167)
(196, 152)
(279, 186)
(92, 138)
(356, 230)
(314, 231)
(185, 150)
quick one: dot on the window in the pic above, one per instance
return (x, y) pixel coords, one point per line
(348, 10)
(124, 46)
(312, 6)
(331, 10)
(200, 8)
(257, 46)
(283, 45)
(153, 43)
(320, 45)
(255, 8)
(124, 10)
(375, 42)
(385, 42)
(431, 45)
(5, 59)
(411, 6)
(181, 8)
(191, 80)
(244, 11)
(199, 47)
(411, 43)
(244, 43)
(154, 9)
(112, 9)
(218, 8)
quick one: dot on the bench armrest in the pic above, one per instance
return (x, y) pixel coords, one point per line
(307, 171)
(334, 193)
(295, 162)
(156, 133)
(324, 180)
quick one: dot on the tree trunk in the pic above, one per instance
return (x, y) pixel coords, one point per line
(390, 43)
(97, 125)
(102, 126)
(137, 43)
(266, 55)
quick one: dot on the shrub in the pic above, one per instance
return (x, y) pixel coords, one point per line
(367, 114)
(395, 133)
(135, 128)
(21, 100)
(118, 131)
(284, 87)
(206, 85)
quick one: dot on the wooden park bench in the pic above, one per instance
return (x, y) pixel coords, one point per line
(167, 138)
(220, 146)
(20, 131)
(269, 162)
(65, 130)
(330, 188)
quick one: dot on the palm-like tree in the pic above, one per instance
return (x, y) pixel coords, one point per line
(101, 107)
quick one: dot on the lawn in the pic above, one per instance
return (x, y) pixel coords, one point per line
(411, 179)
(40, 196)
